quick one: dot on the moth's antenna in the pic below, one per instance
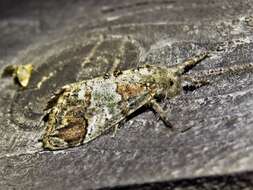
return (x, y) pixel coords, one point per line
(224, 70)
(190, 63)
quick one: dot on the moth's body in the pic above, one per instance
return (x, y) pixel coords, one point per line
(82, 111)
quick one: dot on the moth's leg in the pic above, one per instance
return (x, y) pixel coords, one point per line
(162, 114)
(194, 82)
(115, 129)
(117, 126)
(191, 62)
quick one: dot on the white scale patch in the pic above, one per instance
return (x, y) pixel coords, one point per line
(103, 100)
(81, 93)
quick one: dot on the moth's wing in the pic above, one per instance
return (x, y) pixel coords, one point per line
(122, 110)
(53, 102)
(53, 99)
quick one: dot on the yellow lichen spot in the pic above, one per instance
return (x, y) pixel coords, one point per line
(23, 74)
(20, 73)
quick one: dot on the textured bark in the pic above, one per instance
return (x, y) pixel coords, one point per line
(58, 36)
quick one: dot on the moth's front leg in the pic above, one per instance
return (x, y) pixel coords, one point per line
(164, 116)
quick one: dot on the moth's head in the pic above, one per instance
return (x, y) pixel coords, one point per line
(173, 83)
(169, 81)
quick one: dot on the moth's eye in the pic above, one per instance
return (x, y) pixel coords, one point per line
(171, 83)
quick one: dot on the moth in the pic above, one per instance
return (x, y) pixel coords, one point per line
(80, 112)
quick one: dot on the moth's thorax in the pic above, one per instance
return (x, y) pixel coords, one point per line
(167, 80)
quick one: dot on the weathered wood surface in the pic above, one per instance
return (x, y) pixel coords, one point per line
(69, 41)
